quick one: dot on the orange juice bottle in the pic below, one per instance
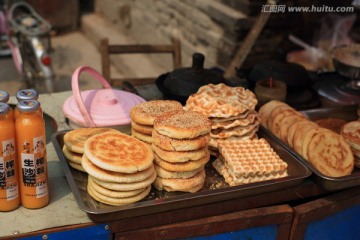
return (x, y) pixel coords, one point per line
(31, 149)
(4, 98)
(9, 187)
(27, 94)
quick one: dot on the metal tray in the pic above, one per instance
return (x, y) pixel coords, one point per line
(215, 189)
(347, 113)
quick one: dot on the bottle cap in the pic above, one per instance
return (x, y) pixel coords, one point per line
(4, 108)
(27, 94)
(4, 96)
(28, 105)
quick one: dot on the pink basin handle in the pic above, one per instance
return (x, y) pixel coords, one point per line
(77, 93)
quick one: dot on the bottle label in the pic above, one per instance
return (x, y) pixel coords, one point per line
(8, 180)
(33, 164)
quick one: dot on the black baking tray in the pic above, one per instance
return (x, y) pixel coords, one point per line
(214, 190)
(347, 113)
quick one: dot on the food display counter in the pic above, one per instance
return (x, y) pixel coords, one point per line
(298, 211)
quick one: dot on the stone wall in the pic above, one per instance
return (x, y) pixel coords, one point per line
(207, 26)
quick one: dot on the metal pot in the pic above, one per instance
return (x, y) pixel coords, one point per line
(181, 83)
(346, 61)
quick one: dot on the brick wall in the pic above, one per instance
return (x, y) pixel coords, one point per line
(206, 26)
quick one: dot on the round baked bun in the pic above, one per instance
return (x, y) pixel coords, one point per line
(186, 144)
(183, 124)
(145, 113)
(74, 140)
(192, 184)
(118, 152)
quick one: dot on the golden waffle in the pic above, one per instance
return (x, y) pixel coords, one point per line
(225, 119)
(221, 101)
(184, 124)
(232, 180)
(242, 122)
(235, 131)
(251, 157)
(118, 152)
(214, 141)
(75, 139)
(145, 113)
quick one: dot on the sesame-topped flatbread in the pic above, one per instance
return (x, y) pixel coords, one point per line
(118, 152)
(145, 113)
(184, 124)
(74, 140)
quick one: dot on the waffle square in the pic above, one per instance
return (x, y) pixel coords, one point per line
(252, 157)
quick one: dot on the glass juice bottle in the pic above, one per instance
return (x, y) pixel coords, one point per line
(31, 149)
(27, 94)
(4, 98)
(9, 188)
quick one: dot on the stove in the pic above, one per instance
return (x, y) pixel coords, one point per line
(339, 89)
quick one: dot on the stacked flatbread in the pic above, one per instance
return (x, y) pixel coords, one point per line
(326, 150)
(144, 114)
(231, 110)
(351, 132)
(74, 141)
(248, 161)
(120, 168)
(180, 149)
